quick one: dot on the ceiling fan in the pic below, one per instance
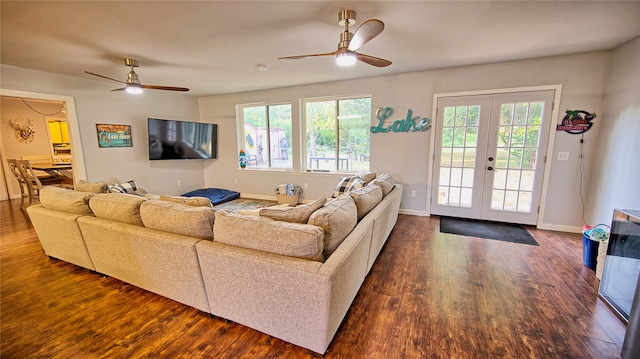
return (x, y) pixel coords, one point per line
(133, 84)
(346, 53)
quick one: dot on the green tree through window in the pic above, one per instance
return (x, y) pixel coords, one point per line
(337, 133)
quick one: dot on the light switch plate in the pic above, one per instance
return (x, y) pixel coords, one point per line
(563, 156)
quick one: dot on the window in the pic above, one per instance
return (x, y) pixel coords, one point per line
(337, 133)
(266, 135)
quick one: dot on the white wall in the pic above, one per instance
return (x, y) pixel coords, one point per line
(616, 175)
(405, 155)
(96, 104)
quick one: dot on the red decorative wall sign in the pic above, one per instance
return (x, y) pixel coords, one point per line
(576, 122)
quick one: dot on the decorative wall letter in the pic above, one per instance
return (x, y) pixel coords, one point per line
(409, 123)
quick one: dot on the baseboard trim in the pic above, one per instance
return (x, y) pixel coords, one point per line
(413, 212)
(559, 228)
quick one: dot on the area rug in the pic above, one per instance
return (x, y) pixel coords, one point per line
(244, 204)
(507, 232)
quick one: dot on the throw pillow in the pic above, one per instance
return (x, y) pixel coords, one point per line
(385, 181)
(117, 207)
(65, 200)
(298, 214)
(256, 211)
(266, 235)
(338, 218)
(94, 187)
(127, 187)
(347, 184)
(366, 176)
(366, 198)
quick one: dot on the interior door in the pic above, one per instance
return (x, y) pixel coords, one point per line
(490, 152)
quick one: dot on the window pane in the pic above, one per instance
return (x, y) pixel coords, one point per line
(461, 115)
(338, 136)
(321, 134)
(520, 117)
(354, 119)
(445, 157)
(474, 116)
(449, 113)
(280, 136)
(255, 124)
(267, 135)
(506, 113)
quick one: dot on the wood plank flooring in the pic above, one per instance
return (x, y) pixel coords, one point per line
(429, 295)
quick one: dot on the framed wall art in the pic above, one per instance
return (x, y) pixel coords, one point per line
(114, 135)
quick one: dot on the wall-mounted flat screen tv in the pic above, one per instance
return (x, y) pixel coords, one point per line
(182, 140)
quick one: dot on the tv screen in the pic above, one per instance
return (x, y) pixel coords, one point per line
(182, 140)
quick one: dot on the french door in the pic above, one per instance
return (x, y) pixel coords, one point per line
(490, 152)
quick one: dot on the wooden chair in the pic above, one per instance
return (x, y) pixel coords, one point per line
(30, 185)
(40, 160)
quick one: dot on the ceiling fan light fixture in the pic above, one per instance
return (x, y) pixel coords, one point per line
(347, 58)
(132, 89)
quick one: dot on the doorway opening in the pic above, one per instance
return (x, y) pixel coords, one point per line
(38, 110)
(490, 155)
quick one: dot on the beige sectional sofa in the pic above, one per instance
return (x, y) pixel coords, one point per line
(293, 277)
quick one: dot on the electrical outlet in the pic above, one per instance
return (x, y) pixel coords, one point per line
(306, 186)
(413, 194)
(179, 183)
(235, 180)
(563, 156)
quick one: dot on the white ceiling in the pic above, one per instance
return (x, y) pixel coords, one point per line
(214, 47)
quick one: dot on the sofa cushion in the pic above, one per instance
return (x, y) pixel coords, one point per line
(366, 198)
(65, 200)
(95, 187)
(117, 207)
(266, 235)
(385, 181)
(256, 211)
(189, 201)
(347, 184)
(297, 214)
(366, 176)
(178, 218)
(337, 218)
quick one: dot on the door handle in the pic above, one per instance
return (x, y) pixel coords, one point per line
(490, 159)
(490, 168)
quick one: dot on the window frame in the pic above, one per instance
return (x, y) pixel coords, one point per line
(303, 129)
(240, 125)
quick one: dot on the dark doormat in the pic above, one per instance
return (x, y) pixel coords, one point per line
(507, 232)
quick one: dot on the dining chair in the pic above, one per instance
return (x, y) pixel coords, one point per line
(30, 185)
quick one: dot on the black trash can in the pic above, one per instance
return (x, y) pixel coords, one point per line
(589, 251)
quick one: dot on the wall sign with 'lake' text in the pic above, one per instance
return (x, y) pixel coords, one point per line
(408, 124)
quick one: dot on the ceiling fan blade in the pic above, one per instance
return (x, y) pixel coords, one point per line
(373, 61)
(311, 55)
(120, 89)
(168, 88)
(367, 31)
(104, 77)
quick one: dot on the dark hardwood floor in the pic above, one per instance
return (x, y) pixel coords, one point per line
(430, 295)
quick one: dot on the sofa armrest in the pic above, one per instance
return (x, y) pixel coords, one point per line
(299, 301)
(384, 217)
(60, 235)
